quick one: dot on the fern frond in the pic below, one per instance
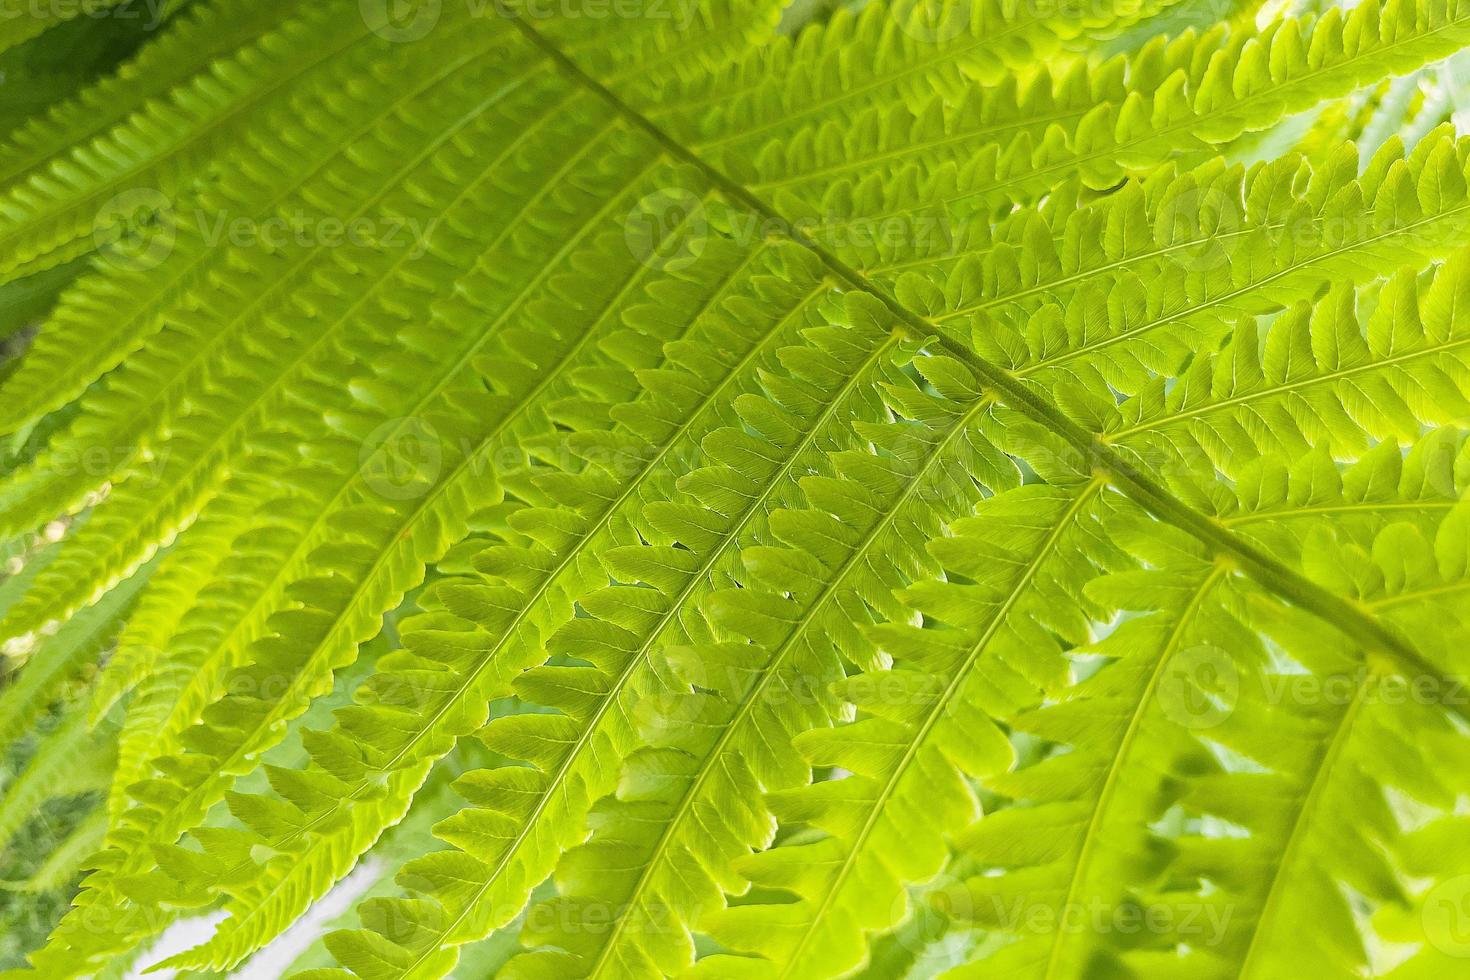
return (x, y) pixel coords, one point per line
(57, 666)
(1281, 503)
(1173, 262)
(907, 755)
(175, 586)
(69, 857)
(626, 629)
(184, 47)
(1435, 855)
(523, 614)
(1098, 790)
(1344, 749)
(377, 944)
(758, 576)
(53, 371)
(207, 423)
(836, 74)
(112, 313)
(60, 213)
(659, 45)
(1172, 101)
(325, 657)
(464, 475)
(69, 759)
(735, 734)
(1319, 381)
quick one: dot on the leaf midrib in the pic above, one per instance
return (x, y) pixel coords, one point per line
(1347, 506)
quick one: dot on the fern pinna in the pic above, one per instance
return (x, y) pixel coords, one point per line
(735, 489)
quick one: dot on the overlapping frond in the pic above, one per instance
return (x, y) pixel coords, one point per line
(200, 33)
(84, 195)
(1354, 742)
(88, 324)
(63, 658)
(1316, 380)
(1173, 100)
(66, 761)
